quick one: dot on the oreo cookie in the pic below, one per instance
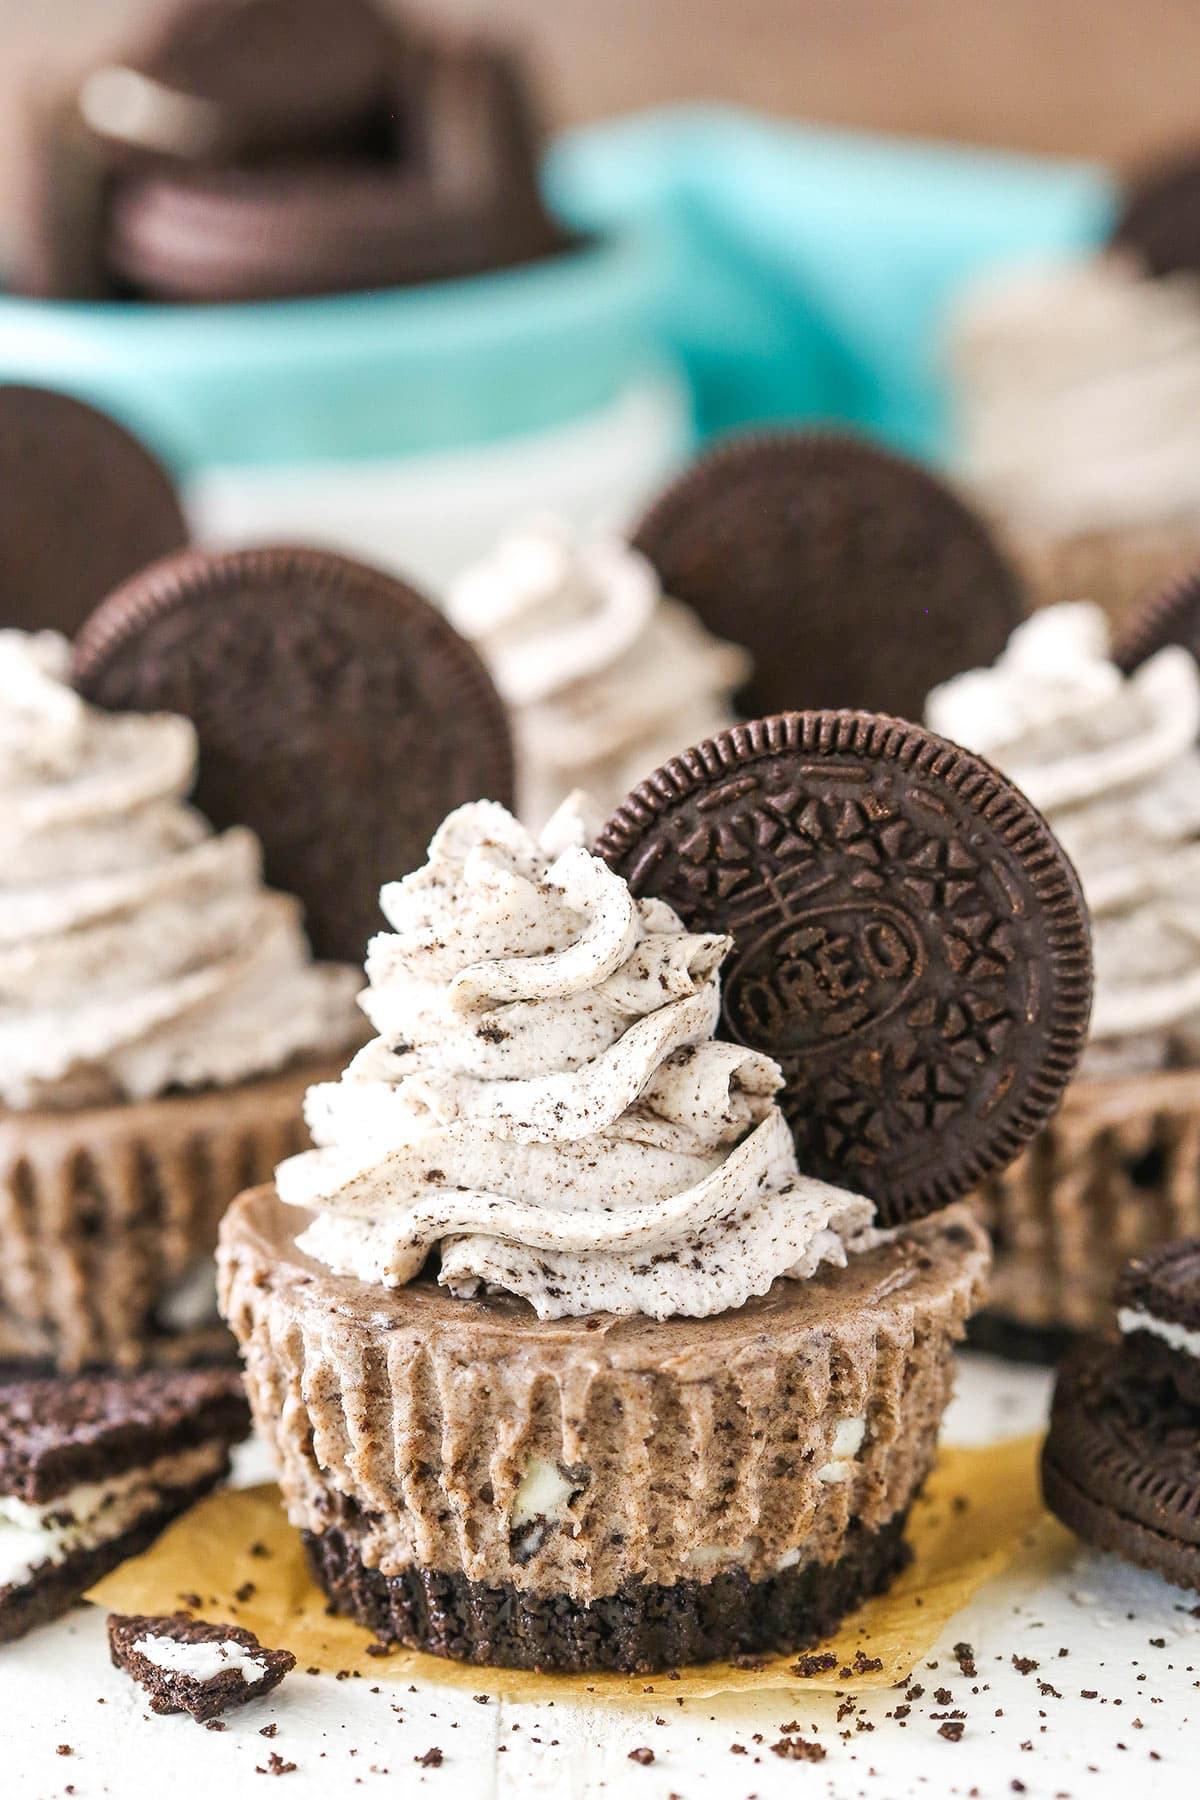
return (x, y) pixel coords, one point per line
(1159, 218)
(83, 505)
(853, 577)
(910, 942)
(226, 80)
(1169, 617)
(1158, 1313)
(1121, 1463)
(338, 714)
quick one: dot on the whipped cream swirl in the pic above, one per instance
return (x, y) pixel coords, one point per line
(545, 1101)
(1111, 760)
(1078, 393)
(605, 678)
(139, 951)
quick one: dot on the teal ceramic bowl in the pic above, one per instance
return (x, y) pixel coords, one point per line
(374, 375)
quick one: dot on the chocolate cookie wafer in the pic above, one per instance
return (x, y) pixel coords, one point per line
(853, 577)
(338, 714)
(911, 944)
(83, 505)
(1121, 1464)
(1158, 1313)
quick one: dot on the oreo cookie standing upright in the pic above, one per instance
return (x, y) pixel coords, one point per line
(852, 576)
(910, 942)
(338, 714)
(83, 505)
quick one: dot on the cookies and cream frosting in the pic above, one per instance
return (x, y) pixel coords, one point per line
(1078, 393)
(605, 677)
(1111, 760)
(545, 1101)
(139, 949)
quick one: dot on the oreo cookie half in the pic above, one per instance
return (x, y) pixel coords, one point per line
(1159, 220)
(1121, 1464)
(83, 505)
(338, 714)
(853, 577)
(1169, 617)
(910, 942)
(1158, 1311)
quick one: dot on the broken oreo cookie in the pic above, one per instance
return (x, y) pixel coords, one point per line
(188, 1665)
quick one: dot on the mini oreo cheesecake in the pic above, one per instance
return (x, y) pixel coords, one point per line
(1103, 738)
(162, 1011)
(610, 1323)
(1121, 1463)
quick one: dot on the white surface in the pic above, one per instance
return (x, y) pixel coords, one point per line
(428, 516)
(347, 1737)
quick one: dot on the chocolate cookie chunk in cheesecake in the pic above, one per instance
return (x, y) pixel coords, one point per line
(660, 1390)
(93, 1468)
(853, 577)
(189, 1665)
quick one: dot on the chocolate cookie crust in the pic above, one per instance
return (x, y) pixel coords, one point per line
(56, 1434)
(1121, 1464)
(910, 942)
(338, 714)
(172, 1691)
(83, 505)
(636, 1630)
(853, 577)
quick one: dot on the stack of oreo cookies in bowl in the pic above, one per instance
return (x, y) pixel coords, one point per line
(265, 148)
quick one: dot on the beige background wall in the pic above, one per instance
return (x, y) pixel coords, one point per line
(1105, 77)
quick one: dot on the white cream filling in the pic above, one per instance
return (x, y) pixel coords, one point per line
(200, 1662)
(92, 1513)
(1179, 1337)
(543, 1494)
(847, 1442)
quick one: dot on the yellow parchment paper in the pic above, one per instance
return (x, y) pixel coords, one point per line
(235, 1557)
